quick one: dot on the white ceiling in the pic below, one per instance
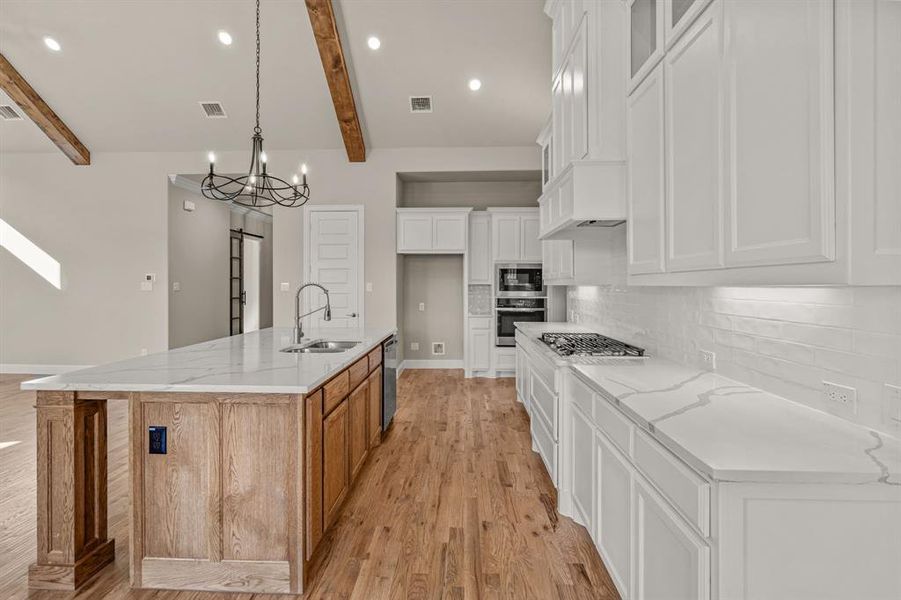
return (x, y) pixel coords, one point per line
(130, 73)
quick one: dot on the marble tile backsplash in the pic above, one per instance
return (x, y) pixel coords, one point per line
(480, 300)
(786, 341)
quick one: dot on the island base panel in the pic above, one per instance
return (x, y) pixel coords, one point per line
(71, 491)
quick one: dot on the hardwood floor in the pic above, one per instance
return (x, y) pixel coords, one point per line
(453, 504)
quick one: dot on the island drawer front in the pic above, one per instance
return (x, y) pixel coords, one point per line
(375, 358)
(358, 372)
(581, 395)
(335, 391)
(545, 400)
(682, 487)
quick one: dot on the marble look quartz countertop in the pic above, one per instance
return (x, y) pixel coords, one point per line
(730, 431)
(251, 362)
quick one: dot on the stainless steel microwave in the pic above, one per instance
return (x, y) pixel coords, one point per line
(520, 280)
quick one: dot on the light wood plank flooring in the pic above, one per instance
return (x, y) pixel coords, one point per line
(453, 504)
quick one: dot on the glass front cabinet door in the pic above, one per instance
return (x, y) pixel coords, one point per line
(678, 15)
(645, 38)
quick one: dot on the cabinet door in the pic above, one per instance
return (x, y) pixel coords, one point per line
(559, 138)
(581, 450)
(505, 237)
(671, 562)
(414, 232)
(548, 260)
(613, 530)
(779, 148)
(678, 15)
(522, 377)
(359, 427)
(449, 232)
(480, 248)
(579, 97)
(335, 463)
(646, 192)
(566, 268)
(645, 38)
(530, 245)
(314, 525)
(694, 166)
(480, 343)
(374, 412)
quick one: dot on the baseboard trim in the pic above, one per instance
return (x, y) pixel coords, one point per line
(433, 364)
(23, 369)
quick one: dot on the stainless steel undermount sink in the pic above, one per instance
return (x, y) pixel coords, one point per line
(321, 347)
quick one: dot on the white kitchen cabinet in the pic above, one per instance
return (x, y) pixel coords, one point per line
(514, 235)
(432, 231)
(581, 440)
(779, 141)
(645, 41)
(557, 261)
(671, 562)
(480, 343)
(479, 250)
(694, 166)
(522, 377)
(678, 15)
(613, 509)
(646, 212)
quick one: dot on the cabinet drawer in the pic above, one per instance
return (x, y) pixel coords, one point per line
(613, 424)
(546, 401)
(547, 447)
(358, 372)
(335, 391)
(375, 358)
(582, 396)
(544, 371)
(684, 488)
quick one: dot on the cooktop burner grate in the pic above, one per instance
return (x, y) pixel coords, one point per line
(588, 344)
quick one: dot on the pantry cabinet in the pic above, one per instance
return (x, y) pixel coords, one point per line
(432, 231)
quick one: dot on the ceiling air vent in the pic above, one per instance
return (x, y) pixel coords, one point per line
(213, 110)
(8, 113)
(420, 104)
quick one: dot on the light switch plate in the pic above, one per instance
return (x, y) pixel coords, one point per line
(368, 286)
(422, 307)
(891, 412)
(146, 286)
(189, 205)
(176, 286)
(284, 286)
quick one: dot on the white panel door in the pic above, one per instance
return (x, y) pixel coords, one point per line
(505, 237)
(780, 198)
(646, 177)
(671, 561)
(581, 439)
(694, 165)
(334, 262)
(480, 248)
(613, 528)
(530, 245)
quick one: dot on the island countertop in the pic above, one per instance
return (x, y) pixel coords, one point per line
(250, 363)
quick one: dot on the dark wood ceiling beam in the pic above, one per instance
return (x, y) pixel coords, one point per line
(43, 116)
(325, 29)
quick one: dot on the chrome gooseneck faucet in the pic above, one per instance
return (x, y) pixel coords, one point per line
(327, 315)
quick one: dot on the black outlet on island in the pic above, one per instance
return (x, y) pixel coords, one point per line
(157, 442)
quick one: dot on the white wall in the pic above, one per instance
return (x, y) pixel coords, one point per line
(477, 194)
(781, 339)
(107, 226)
(436, 281)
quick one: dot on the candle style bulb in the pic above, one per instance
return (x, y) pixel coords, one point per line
(303, 168)
(212, 157)
(263, 157)
(295, 180)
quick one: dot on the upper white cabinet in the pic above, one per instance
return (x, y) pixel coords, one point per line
(432, 231)
(480, 248)
(645, 39)
(587, 138)
(557, 261)
(514, 235)
(646, 177)
(678, 15)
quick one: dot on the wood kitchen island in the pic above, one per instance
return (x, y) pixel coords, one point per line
(240, 458)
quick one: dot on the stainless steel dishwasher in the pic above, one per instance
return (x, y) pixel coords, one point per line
(389, 381)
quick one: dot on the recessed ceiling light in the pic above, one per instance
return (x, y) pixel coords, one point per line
(225, 37)
(52, 44)
(374, 42)
(475, 84)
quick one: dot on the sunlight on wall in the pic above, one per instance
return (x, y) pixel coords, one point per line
(8, 444)
(29, 253)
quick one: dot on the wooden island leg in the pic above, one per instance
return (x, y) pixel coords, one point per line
(71, 491)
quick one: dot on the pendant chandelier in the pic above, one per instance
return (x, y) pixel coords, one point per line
(258, 188)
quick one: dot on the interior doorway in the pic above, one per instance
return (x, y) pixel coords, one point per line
(245, 255)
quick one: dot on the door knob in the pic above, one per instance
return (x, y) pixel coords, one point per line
(351, 315)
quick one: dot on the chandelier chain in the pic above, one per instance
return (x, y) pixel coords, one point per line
(257, 128)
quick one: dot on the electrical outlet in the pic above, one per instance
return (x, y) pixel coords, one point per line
(422, 307)
(438, 348)
(709, 359)
(146, 286)
(143, 351)
(891, 413)
(841, 395)
(414, 345)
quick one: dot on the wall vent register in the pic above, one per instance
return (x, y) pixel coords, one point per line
(421, 104)
(213, 110)
(588, 344)
(8, 113)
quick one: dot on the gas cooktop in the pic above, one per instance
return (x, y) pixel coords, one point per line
(588, 344)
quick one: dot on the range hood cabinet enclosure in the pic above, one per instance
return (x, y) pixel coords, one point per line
(588, 193)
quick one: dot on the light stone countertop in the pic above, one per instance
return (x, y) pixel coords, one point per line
(730, 431)
(251, 362)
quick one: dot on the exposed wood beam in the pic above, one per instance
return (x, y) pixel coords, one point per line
(325, 28)
(43, 116)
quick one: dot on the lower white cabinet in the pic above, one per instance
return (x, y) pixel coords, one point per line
(671, 561)
(522, 377)
(581, 439)
(479, 336)
(613, 522)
